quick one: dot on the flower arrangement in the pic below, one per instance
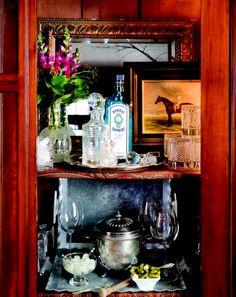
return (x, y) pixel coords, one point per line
(61, 79)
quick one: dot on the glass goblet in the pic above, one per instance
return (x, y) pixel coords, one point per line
(148, 213)
(79, 264)
(70, 216)
(164, 229)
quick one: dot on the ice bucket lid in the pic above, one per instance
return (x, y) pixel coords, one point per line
(117, 226)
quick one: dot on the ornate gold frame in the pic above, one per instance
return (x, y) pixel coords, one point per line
(183, 32)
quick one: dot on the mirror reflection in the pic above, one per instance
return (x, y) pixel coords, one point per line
(106, 52)
(110, 45)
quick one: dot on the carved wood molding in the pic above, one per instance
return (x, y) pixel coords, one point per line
(70, 171)
(183, 32)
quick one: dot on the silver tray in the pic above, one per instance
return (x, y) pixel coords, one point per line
(59, 282)
(75, 161)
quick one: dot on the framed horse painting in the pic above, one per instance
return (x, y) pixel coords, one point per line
(157, 91)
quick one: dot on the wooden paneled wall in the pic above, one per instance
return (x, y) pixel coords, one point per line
(122, 9)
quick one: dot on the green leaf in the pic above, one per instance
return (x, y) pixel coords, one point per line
(58, 90)
(78, 81)
(58, 84)
(83, 93)
(39, 98)
(60, 80)
(63, 98)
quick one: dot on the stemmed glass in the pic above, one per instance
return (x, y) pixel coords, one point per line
(70, 216)
(79, 264)
(164, 229)
(147, 214)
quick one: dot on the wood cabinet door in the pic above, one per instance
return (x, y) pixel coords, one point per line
(18, 219)
(216, 155)
(17, 148)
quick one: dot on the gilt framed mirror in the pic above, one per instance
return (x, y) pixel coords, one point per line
(179, 35)
(110, 44)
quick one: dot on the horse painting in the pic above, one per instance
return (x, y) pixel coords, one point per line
(171, 108)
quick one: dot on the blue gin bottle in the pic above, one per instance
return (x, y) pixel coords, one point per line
(118, 118)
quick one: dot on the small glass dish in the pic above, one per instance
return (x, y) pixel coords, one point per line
(79, 264)
(146, 284)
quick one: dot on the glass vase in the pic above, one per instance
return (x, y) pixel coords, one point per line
(58, 132)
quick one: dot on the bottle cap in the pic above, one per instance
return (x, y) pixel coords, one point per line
(96, 100)
(120, 77)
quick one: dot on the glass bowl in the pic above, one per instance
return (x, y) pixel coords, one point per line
(79, 264)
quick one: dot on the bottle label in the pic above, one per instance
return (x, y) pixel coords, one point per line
(118, 128)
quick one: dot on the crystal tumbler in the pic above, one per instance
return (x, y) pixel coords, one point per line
(191, 119)
(167, 136)
(180, 151)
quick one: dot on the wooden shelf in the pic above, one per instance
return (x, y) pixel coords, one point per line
(68, 171)
(118, 294)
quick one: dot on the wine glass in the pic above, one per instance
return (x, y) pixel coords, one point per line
(148, 212)
(70, 216)
(147, 216)
(164, 229)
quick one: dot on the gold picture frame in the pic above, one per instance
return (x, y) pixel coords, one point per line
(178, 83)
